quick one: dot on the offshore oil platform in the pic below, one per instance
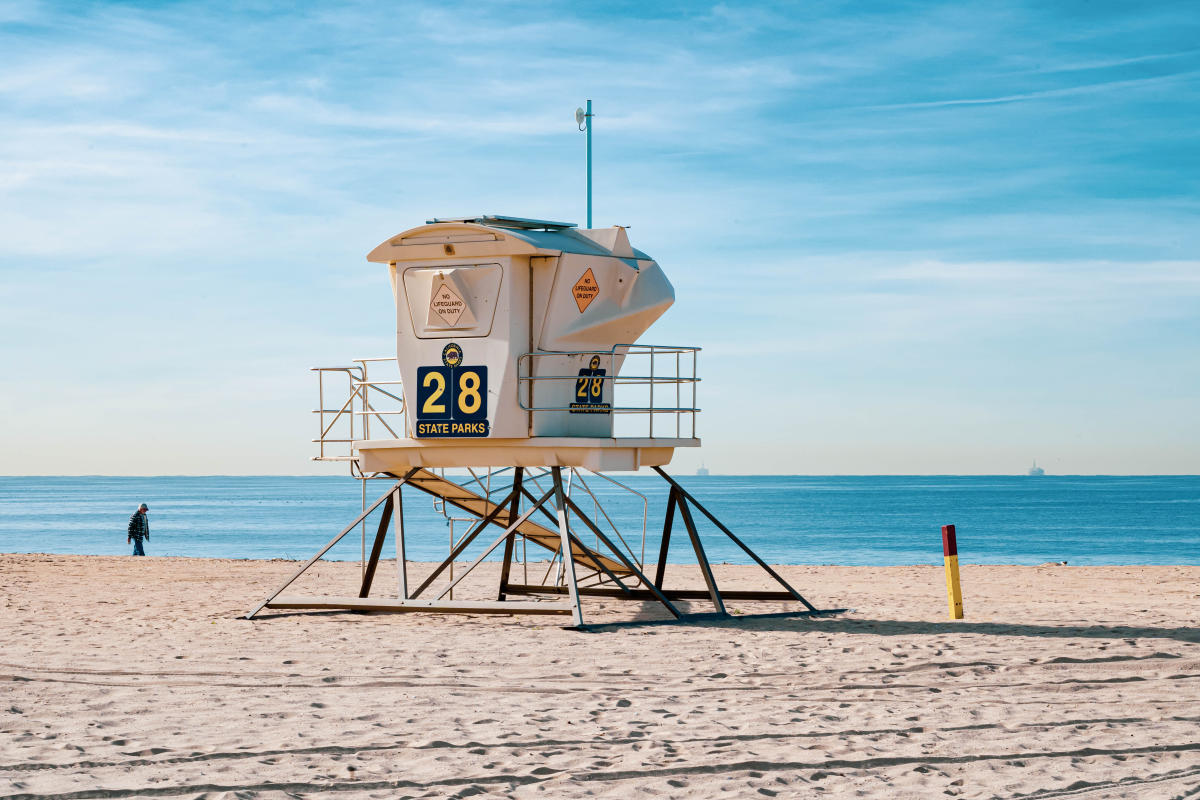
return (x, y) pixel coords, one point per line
(516, 363)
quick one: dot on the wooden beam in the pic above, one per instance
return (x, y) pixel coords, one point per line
(441, 606)
(646, 594)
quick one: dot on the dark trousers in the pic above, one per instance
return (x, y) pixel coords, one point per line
(137, 548)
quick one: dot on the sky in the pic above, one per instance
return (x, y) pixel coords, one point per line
(911, 238)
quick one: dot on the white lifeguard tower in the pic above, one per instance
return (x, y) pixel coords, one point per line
(516, 359)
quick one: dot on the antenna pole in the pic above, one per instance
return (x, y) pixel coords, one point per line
(588, 119)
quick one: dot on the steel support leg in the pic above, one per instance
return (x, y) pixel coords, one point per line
(510, 544)
(377, 546)
(401, 556)
(560, 505)
(660, 574)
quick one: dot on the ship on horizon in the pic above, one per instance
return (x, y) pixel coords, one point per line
(1036, 471)
(702, 472)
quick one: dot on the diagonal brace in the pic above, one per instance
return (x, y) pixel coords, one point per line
(382, 498)
(502, 537)
(462, 545)
(778, 578)
(662, 598)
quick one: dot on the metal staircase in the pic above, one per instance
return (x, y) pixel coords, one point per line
(458, 496)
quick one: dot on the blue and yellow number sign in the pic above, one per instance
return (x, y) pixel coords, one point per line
(452, 398)
(589, 390)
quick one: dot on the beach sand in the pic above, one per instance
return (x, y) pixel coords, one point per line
(137, 678)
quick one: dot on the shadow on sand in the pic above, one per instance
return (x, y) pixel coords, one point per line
(836, 622)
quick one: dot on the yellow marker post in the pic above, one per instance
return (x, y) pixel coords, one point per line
(953, 589)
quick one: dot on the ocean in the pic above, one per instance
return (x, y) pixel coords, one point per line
(878, 520)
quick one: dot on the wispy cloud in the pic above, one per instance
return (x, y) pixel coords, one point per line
(1113, 63)
(1091, 88)
(863, 189)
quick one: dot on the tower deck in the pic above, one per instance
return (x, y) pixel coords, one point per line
(596, 454)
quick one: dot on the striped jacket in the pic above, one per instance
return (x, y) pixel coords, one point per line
(139, 526)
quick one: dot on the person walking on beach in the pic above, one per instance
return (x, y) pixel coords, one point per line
(139, 528)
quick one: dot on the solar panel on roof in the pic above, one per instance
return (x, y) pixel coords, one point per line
(500, 221)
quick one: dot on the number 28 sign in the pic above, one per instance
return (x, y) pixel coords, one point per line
(589, 390)
(451, 399)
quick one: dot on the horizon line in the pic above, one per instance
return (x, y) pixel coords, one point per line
(676, 474)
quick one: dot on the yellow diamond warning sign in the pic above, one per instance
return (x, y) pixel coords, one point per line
(585, 290)
(447, 308)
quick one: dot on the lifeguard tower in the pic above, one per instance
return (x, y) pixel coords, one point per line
(516, 362)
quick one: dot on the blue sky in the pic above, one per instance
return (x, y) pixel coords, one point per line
(911, 238)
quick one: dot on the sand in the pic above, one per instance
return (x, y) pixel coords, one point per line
(131, 677)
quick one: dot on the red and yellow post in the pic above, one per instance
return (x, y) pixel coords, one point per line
(953, 589)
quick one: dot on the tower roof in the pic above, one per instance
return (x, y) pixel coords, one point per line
(496, 235)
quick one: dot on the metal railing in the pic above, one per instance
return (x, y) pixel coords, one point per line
(366, 400)
(645, 368)
(365, 397)
(655, 382)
